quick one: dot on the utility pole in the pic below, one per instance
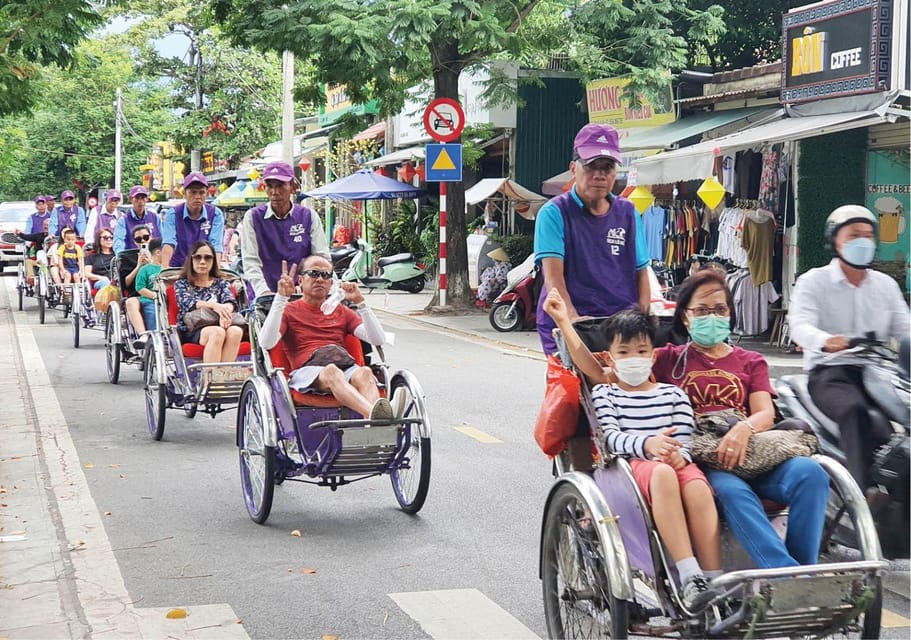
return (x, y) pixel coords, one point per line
(288, 107)
(118, 139)
(196, 58)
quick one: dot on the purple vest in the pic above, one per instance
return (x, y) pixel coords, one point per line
(67, 218)
(189, 231)
(105, 220)
(599, 262)
(286, 239)
(36, 222)
(130, 222)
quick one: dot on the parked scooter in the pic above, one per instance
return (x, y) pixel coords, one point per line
(341, 257)
(515, 307)
(400, 271)
(886, 382)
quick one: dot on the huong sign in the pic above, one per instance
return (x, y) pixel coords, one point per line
(836, 49)
(608, 104)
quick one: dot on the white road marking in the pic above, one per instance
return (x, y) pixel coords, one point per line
(461, 614)
(892, 620)
(478, 435)
(94, 573)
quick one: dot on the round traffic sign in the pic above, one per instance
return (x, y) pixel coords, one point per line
(444, 119)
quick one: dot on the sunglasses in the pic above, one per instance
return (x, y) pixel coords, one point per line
(313, 273)
(107, 237)
(203, 257)
(141, 238)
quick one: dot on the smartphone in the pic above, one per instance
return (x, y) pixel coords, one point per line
(144, 248)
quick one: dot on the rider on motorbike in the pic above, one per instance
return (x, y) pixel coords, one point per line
(833, 304)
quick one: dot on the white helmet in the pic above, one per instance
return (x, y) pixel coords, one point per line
(846, 214)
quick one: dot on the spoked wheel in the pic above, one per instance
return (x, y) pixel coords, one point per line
(21, 285)
(156, 394)
(77, 317)
(578, 602)
(504, 316)
(257, 460)
(112, 350)
(411, 479)
(42, 308)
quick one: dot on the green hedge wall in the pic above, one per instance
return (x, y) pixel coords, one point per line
(831, 172)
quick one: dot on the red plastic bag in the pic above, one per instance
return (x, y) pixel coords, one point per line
(559, 413)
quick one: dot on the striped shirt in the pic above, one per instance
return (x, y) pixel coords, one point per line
(629, 418)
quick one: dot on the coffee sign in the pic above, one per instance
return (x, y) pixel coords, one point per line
(835, 49)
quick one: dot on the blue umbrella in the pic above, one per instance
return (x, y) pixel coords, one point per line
(365, 185)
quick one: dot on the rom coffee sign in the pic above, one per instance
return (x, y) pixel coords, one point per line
(834, 49)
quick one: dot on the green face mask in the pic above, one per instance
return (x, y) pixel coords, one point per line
(710, 330)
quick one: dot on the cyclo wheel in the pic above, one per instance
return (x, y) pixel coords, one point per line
(156, 394)
(411, 483)
(578, 602)
(257, 460)
(77, 316)
(42, 303)
(112, 350)
(20, 284)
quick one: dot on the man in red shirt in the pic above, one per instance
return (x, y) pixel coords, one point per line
(314, 339)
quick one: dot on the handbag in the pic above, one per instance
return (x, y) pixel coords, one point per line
(208, 317)
(559, 414)
(766, 450)
(330, 354)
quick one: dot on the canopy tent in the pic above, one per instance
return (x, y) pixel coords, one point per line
(365, 185)
(668, 135)
(396, 157)
(697, 161)
(508, 198)
(242, 193)
(555, 185)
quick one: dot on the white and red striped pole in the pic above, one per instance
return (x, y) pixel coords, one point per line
(442, 244)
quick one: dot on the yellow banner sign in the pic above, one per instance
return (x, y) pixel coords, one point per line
(608, 104)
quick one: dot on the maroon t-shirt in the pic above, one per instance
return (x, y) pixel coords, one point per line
(305, 329)
(725, 383)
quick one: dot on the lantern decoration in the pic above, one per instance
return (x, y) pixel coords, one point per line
(711, 192)
(304, 164)
(380, 171)
(421, 172)
(642, 198)
(253, 173)
(407, 172)
(222, 187)
(212, 191)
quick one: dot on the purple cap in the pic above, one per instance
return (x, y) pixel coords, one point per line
(67, 194)
(196, 177)
(50, 197)
(597, 141)
(113, 193)
(280, 171)
(138, 190)
(40, 199)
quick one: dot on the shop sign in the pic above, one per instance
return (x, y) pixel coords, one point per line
(338, 104)
(834, 49)
(208, 162)
(608, 103)
(888, 198)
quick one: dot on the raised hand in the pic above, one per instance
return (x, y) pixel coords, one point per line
(286, 286)
(352, 292)
(555, 306)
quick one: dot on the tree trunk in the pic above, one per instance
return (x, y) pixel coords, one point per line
(447, 65)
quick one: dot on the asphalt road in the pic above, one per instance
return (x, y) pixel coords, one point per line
(181, 535)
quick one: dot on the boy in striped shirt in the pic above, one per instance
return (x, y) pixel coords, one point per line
(651, 423)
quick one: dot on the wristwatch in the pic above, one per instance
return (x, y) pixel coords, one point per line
(360, 305)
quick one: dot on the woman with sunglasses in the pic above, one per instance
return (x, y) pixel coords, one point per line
(98, 264)
(201, 286)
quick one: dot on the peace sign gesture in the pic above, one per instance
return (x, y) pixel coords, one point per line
(286, 286)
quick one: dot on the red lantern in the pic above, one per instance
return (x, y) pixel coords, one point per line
(212, 189)
(421, 172)
(407, 172)
(304, 163)
(380, 171)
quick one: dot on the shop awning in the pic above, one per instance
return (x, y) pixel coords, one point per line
(697, 161)
(397, 157)
(668, 135)
(527, 202)
(373, 132)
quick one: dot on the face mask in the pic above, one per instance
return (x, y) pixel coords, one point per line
(633, 371)
(710, 330)
(858, 252)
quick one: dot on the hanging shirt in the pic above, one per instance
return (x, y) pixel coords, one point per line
(653, 220)
(758, 240)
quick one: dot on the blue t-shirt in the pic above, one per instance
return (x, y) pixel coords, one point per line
(653, 224)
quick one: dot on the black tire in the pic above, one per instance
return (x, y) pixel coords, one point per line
(112, 350)
(76, 322)
(257, 460)
(190, 408)
(410, 484)
(503, 320)
(156, 394)
(873, 617)
(21, 288)
(42, 308)
(574, 574)
(415, 285)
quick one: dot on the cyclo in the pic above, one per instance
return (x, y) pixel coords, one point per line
(285, 435)
(175, 375)
(605, 572)
(120, 337)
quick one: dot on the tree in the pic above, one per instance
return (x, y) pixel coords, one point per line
(35, 33)
(378, 49)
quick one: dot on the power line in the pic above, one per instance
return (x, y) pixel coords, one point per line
(64, 153)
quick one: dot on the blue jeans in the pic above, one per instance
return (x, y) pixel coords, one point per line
(148, 314)
(801, 484)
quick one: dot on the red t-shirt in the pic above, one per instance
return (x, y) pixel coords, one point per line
(725, 383)
(305, 329)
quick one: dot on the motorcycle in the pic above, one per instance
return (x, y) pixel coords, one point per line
(886, 382)
(517, 304)
(341, 257)
(400, 271)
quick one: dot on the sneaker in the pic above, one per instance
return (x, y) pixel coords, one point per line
(697, 594)
(381, 410)
(398, 402)
(139, 345)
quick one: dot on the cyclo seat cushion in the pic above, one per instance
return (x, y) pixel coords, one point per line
(190, 349)
(279, 358)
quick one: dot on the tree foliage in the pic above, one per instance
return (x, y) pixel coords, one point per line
(35, 33)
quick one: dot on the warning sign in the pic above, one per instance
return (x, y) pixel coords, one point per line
(444, 162)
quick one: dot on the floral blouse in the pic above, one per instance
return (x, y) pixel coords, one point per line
(188, 295)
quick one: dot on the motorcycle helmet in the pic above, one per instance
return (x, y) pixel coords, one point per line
(846, 214)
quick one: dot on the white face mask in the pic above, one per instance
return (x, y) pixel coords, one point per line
(633, 371)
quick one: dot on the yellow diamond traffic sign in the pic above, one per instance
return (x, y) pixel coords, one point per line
(444, 162)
